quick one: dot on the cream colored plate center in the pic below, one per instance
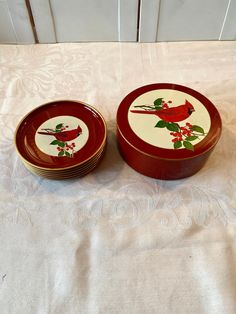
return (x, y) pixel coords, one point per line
(62, 136)
(143, 123)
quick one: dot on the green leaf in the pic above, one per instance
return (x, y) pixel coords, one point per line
(188, 145)
(177, 144)
(191, 138)
(157, 102)
(67, 154)
(61, 153)
(173, 127)
(161, 124)
(55, 142)
(61, 144)
(197, 129)
(59, 126)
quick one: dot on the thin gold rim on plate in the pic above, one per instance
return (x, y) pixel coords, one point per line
(59, 174)
(68, 176)
(76, 168)
(75, 173)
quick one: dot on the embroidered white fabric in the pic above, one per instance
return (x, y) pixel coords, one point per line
(116, 241)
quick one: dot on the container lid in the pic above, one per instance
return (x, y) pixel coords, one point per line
(168, 121)
(60, 135)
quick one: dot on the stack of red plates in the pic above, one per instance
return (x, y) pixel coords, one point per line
(62, 139)
(167, 131)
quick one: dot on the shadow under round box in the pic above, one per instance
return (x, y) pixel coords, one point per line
(167, 131)
(61, 139)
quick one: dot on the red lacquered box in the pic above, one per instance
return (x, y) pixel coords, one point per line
(167, 131)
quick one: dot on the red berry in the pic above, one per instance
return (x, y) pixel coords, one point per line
(169, 101)
(180, 139)
(172, 133)
(58, 148)
(67, 126)
(175, 140)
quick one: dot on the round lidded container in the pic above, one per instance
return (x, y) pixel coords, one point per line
(167, 131)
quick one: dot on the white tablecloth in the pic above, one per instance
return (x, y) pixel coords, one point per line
(116, 241)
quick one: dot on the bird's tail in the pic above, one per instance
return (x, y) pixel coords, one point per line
(143, 111)
(46, 133)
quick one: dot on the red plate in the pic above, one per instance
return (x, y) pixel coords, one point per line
(166, 130)
(60, 135)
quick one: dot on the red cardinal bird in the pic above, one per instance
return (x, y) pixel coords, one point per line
(65, 136)
(174, 114)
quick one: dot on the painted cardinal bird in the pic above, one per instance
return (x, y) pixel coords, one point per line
(65, 136)
(174, 114)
